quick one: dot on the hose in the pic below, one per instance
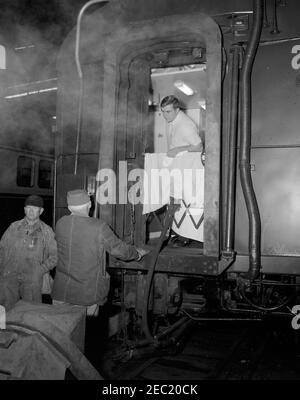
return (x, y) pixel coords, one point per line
(167, 223)
(245, 142)
(262, 308)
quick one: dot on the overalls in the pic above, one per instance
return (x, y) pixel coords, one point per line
(21, 274)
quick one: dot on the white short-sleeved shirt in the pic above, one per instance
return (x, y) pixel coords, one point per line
(183, 132)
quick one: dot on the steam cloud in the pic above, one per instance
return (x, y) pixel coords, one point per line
(32, 31)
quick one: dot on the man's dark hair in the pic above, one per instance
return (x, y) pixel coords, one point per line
(169, 100)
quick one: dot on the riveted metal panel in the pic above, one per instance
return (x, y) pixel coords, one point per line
(276, 177)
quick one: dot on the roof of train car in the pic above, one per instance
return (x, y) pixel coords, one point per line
(101, 19)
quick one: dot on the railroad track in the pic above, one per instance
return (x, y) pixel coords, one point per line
(218, 351)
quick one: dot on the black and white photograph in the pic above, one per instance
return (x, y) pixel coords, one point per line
(150, 193)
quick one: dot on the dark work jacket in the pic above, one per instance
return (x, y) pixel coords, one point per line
(81, 276)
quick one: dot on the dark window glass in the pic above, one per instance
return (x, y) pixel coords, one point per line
(25, 171)
(45, 174)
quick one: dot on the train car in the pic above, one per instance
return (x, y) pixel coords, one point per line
(27, 153)
(24, 173)
(241, 59)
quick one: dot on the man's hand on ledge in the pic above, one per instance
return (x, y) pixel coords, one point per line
(173, 152)
(142, 253)
(190, 148)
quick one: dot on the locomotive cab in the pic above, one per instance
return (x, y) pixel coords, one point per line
(138, 64)
(129, 57)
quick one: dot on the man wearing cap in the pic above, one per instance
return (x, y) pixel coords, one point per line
(28, 251)
(81, 276)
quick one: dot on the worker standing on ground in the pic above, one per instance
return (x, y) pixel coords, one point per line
(81, 276)
(28, 252)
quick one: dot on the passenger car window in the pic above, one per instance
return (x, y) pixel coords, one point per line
(45, 179)
(25, 171)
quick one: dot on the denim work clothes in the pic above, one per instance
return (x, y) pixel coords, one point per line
(27, 252)
(82, 243)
